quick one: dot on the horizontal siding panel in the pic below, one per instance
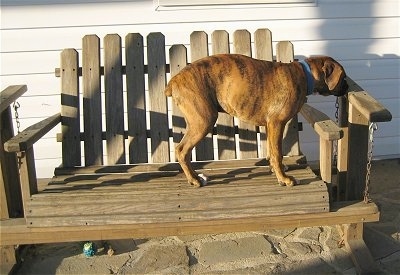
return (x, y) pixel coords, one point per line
(143, 13)
(44, 39)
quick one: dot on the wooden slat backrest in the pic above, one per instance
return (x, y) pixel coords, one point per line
(247, 132)
(233, 139)
(114, 99)
(159, 130)
(70, 109)
(136, 104)
(199, 49)
(93, 142)
(290, 143)
(225, 123)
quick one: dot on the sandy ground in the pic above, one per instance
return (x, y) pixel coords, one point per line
(291, 251)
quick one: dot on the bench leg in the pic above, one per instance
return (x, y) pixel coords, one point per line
(7, 259)
(360, 254)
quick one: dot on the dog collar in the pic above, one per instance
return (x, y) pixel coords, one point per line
(310, 78)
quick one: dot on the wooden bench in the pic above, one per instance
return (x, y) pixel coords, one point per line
(124, 181)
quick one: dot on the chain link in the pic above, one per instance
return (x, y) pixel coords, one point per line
(16, 106)
(335, 142)
(372, 128)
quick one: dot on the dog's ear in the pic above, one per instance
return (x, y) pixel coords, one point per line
(332, 72)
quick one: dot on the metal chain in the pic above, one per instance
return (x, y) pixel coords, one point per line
(372, 128)
(16, 106)
(335, 143)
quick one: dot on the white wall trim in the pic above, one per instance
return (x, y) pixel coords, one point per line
(215, 4)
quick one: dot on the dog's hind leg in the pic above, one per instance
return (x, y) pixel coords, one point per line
(197, 127)
(275, 134)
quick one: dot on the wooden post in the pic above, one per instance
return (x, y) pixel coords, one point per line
(325, 156)
(357, 154)
(359, 252)
(11, 200)
(342, 149)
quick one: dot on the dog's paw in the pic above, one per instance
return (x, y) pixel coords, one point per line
(203, 179)
(289, 182)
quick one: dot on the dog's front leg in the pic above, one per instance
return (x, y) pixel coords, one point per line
(275, 130)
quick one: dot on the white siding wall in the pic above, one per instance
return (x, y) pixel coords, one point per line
(362, 34)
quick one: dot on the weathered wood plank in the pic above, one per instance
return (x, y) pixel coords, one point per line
(25, 140)
(11, 94)
(359, 252)
(163, 181)
(135, 85)
(247, 131)
(178, 60)
(15, 231)
(263, 44)
(10, 192)
(321, 123)
(180, 201)
(357, 154)
(28, 176)
(225, 125)
(114, 99)
(173, 166)
(264, 51)
(70, 111)
(370, 108)
(158, 101)
(92, 114)
(199, 49)
(290, 143)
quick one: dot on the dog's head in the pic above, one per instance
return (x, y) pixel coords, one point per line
(329, 75)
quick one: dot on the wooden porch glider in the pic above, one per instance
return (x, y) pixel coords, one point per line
(125, 183)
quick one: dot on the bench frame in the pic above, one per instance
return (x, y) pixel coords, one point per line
(347, 210)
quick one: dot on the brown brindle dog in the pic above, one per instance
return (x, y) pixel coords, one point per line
(259, 92)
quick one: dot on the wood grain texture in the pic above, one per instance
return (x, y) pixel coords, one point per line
(199, 49)
(11, 94)
(114, 99)
(92, 113)
(28, 137)
(70, 108)
(159, 129)
(16, 231)
(225, 124)
(357, 154)
(10, 192)
(264, 51)
(233, 193)
(136, 103)
(290, 143)
(178, 60)
(247, 131)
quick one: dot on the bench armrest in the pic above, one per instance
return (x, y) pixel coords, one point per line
(322, 124)
(11, 94)
(25, 140)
